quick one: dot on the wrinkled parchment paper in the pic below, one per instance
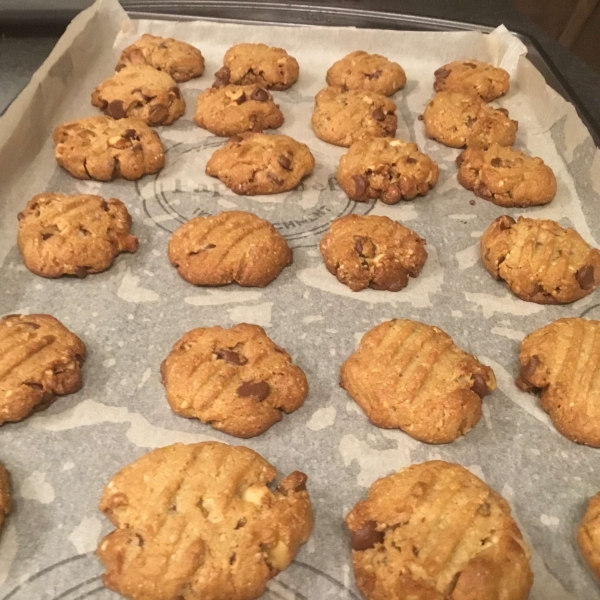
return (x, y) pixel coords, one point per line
(130, 316)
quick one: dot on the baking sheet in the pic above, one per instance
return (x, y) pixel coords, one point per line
(130, 316)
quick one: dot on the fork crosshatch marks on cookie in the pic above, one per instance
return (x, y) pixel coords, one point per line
(302, 215)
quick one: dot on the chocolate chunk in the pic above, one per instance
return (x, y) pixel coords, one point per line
(375, 75)
(480, 386)
(482, 190)
(21, 216)
(392, 195)
(410, 160)
(223, 74)
(506, 222)
(176, 91)
(236, 139)
(503, 111)
(276, 180)
(259, 390)
(116, 109)
(442, 73)
(81, 272)
(470, 121)
(259, 95)
(158, 113)
(585, 277)
(378, 114)
(420, 117)
(241, 99)
(470, 65)
(285, 162)
(358, 245)
(366, 537)
(527, 372)
(231, 357)
(360, 185)
(496, 162)
(365, 247)
(219, 83)
(131, 134)
(485, 509)
(46, 236)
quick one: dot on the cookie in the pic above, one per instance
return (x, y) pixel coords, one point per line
(257, 163)
(411, 376)
(233, 109)
(560, 362)
(386, 169)
(237, 379)
(363, 71)
(200, 521)
(472, 77)
(271, 68)
(5, 501)
(141, 92)
(230, 247)
(39, 360)
(457, 120)
(435, 531)
(180, 60)
(344, 117)
(540, 261)
(104, 149)
(506, 176)
(588, 535)
(370, 251)
(73, 235)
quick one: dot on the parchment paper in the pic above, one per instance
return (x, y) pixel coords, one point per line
(130, 316)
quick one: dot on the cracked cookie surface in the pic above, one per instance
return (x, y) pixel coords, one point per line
(104, 149)
(232, 246)
(435, 531)
(236, 379)
(412, 376)
(472, 77)
(39, 360)
(199, 521)
(140, 92)
(539, 260)
(5, 500)
(372, 251)
(260, 163)
(73, 235)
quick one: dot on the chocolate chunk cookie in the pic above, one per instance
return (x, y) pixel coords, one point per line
(588, 535)
(344, 117)
(561, 362)
(271, 68)
(39, 360)
(506, 176)
(234, 109)
(411, 376)
(104, 149)
(435, 531)
(371, 251)
(385, 168)
(363, 71)
(5, 501)
(237, 379)
(142, 92)
(457, 120)
(233, 246)
(73, 235)
(540, 261)
(180, 60)
(200, 521)
(472, 77)
(257, 163)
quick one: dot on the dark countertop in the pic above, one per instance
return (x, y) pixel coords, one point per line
(21, 55)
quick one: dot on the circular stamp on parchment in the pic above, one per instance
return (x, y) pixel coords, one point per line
(182, 191)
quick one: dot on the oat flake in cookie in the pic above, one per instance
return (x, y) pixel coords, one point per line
(237, 379)
(5, 500)
(411, 376)
(104, 149)
(141, 92)
(472, 77)
(371, 251)
(386, 169)
(73, 235)
(230, 247)
(179, 59)
(540, 261)
(201, 522)
(435, 531)
(588, 535)
(39, 360)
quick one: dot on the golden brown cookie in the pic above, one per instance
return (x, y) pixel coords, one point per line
(370, 251)
(73, 235)
(5, 501)
(230, 247)
(540, 261)
(179, 59)
(435, 531)
(363, 71)
(200, 521)
(39, 360)
(411, 376)
(271, 68)
(237, 379)
(233, 109)
(561, 362)
(142, 92)
(259, 163)
(472, 77)
(588, 535)
(385, 168)
(506, 176)
(104, 149)
(457, 120)
(344, 117)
